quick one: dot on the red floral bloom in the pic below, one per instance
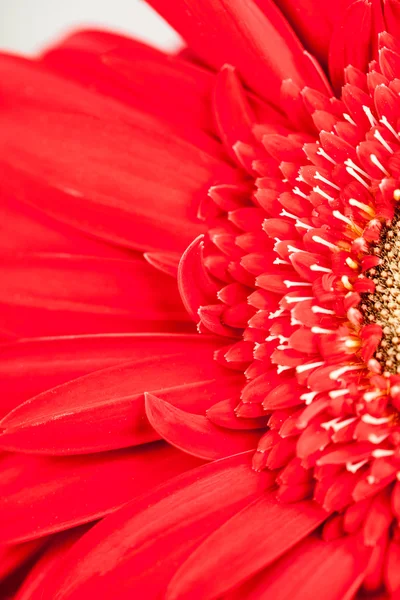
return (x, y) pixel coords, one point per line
(260, 458)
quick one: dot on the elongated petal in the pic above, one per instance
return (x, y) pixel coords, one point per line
(313, 25)
(252, 539)
(39, 496)
(257, 41)
(49, 294)
(31, 366)
(98, 42)
(314, 569)
(24, 228)
(75, 152)
(346, 48)
(392, 14)
(135, 552)
(50, 560)
(195, 434)
(232, 112)
(139, 76)
(105, 410)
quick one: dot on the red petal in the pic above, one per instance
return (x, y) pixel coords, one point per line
(29, 367)
(389, 63)
(37, 494)
(154, 204)
(167, 262)
(25, 229)
(244, 35)
(245, 544)
(392, 571)
(49, 561)
(379, 519)
(284, 395)
(211, 318)
(223, 414)
(195, 434)
(314, 569)
(314, 27)
(352, 452)
(257, 389)
(12, 557)
(137, 75)
(348, 49)
(47, 294)
(105, 410)
(392, 16)
(233, 115)
(195, 285)
(135, 552)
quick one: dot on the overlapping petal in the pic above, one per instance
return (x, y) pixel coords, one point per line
(56, 294)
(133, 161)
(25, 229)
(39, 495)
(217, 566)
(246, 35)
(314, 27)
(195, 434)
(138, 75)
(51, 559)
(308, 568)
(137, 549)
(105, 410)
(50, 361)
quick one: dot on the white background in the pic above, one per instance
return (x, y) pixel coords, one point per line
(26, 26)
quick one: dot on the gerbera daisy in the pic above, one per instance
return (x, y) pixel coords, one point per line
(257, 457)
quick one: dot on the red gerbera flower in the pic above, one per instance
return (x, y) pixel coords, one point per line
(260, 458)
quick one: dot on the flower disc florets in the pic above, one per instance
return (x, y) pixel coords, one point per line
(383, 305)
(304, 254)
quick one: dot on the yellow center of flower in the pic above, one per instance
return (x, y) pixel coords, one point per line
(383, 306)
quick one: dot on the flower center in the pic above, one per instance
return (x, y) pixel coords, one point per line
(383, 306)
